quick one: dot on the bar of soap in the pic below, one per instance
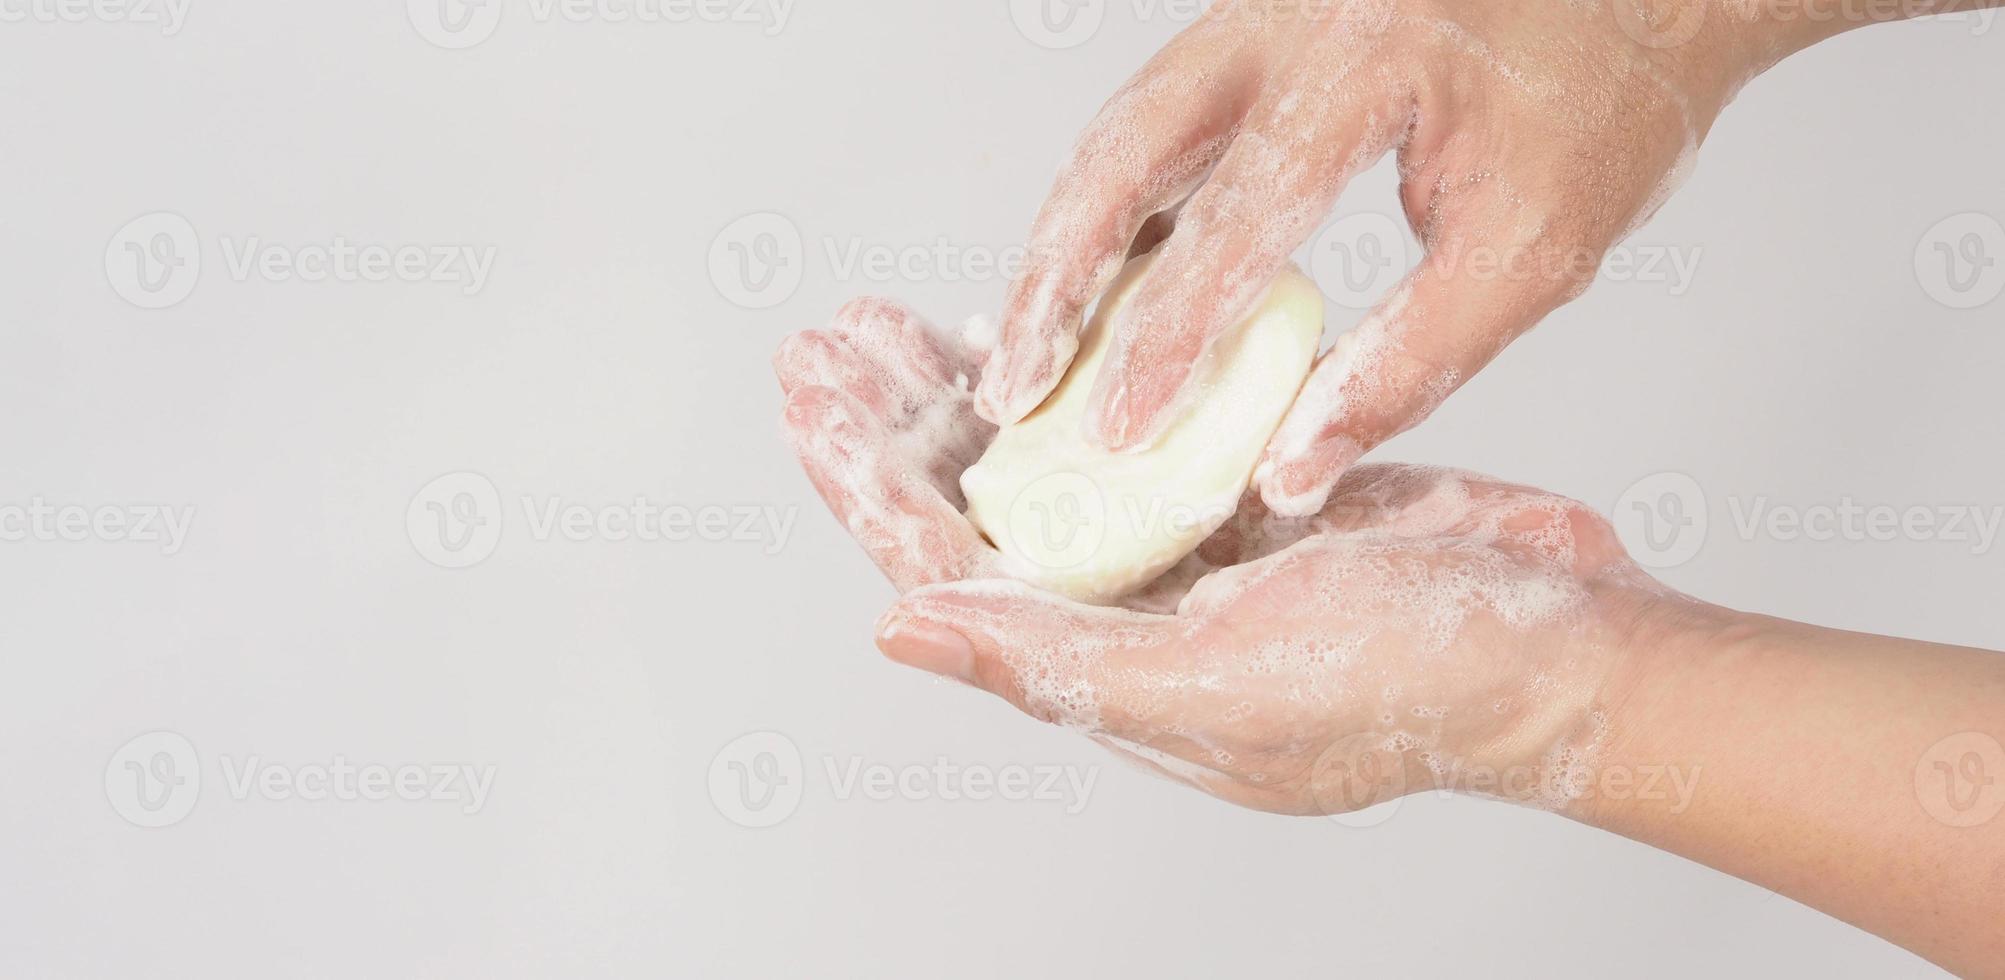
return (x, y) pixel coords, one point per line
(1095, 525)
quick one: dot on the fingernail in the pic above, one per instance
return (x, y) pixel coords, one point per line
(1299, 485)
(1006, 393)
(929, 647)
(1107, 417)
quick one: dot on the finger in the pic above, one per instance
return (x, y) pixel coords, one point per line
(877, 349)
(1148, 147)
(1282, 174)
(1086, 667)
(820, 359)
(1448, 319)
(899, 518)
(916, 364)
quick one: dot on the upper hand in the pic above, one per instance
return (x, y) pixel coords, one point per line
(1532, 135)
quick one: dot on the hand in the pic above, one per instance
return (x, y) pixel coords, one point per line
(1433, 629)
(1426, 628)
(1436, 630)
(1532, 135)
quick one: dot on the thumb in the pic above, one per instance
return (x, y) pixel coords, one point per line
(1450, 317)
(1056, 660)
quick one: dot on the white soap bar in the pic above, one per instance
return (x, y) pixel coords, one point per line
(1095, 525)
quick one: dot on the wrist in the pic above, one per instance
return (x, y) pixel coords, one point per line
(1714, 47)
(1767, 31)
(1675, 655)
(1573, 748)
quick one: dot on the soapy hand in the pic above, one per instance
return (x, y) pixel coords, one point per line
(1532, 135)
(1426, 628)
(1435, 630)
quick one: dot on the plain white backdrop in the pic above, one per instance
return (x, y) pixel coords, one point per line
(503, 638)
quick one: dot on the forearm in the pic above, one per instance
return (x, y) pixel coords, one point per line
(1857, 774)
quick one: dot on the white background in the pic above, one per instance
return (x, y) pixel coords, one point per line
(301, 621)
